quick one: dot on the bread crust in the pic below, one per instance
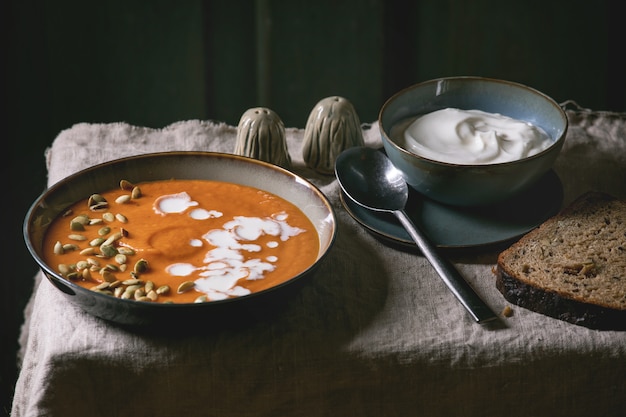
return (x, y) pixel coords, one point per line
(554, 305)
(527, 294)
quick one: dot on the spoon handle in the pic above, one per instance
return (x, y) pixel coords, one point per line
(477, 308)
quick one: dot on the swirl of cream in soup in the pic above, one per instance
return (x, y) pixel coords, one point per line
(473, 137)
(224, 265)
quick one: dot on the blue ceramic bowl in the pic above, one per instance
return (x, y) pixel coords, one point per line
(473, 185)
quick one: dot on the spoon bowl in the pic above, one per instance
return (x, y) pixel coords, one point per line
(370, 179)
(355, 169)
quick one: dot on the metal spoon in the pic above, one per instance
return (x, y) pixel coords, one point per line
(371, 180)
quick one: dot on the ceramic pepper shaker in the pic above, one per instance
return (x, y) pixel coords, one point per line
(261, 135)
(333, 126)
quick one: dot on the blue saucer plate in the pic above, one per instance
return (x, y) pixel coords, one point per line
(463, 227)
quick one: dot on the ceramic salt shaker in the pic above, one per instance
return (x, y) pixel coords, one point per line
(333, 126)
(261, 135)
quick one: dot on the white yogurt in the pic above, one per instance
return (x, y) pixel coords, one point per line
(471, 137)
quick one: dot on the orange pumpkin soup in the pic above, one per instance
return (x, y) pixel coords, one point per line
(181, 241)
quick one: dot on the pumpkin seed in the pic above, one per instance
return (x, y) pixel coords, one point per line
(74, 276)
(139, 292)
(163, 289)
(97, 198)
(123, 199)
(58, 248)
(111, 285)
(135, 193)
(108, 250)
(123, 267)
(82, 265)
(96, 202)
(86, 274)
(120, 258)
(113, 238)
(128, 294)
(132, 281)
(144, 299)
(81, 218)
(77, 226)
(99, 206)
(77, 237)
(201, 299)
(149, 286)
(88, 251)
(64, 269)
(96, 242)
(116, 284)
(102, 286)
(152, 295)
(108, 276)
(126, 185)
(103, 231)
(118, 291)
(121, 218)
(126, 251)
(141, 266)
(70, 247)
(108, 217)
(185, 286)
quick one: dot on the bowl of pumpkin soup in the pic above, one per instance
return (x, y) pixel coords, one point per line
(165, 239)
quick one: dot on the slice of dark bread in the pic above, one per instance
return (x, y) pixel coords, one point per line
(573, 266)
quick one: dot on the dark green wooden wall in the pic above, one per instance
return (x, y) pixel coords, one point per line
(156, 62)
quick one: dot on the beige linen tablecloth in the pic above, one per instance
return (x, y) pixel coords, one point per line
(375, 332)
